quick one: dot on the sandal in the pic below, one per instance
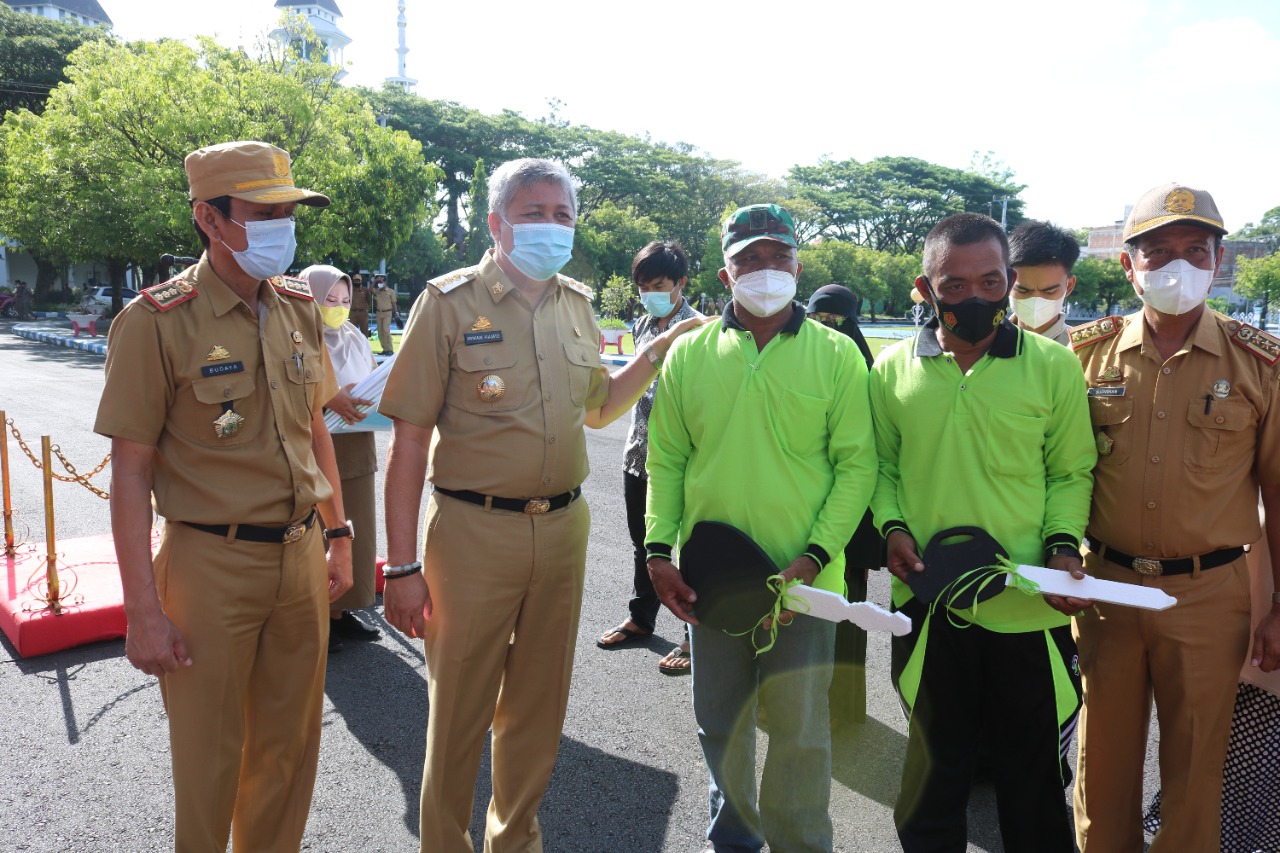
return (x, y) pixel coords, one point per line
(629, 637)
(677, 662)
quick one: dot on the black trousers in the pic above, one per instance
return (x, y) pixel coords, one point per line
(644, 604)
(979, 687)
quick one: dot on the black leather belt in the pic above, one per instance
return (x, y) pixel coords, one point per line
(529, 506)
(253, 533)
(1180, 566)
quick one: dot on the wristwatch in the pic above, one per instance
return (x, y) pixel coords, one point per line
(654, 359)
(347, 531)
(1068, 550)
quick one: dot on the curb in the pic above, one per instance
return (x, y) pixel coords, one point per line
(49, 333)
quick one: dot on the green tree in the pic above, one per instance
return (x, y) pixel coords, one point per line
(607, 243)
(420, 258)
(33, 54)
(1258, 279)
(1267, 230)
(614, 297)
(478, 237)
(1101, 284)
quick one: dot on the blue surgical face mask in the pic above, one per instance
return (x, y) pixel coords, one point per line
(660, 303)
(271, 247)
(540, 249)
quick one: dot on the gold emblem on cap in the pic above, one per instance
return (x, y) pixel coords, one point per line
(1221, 388)
(281, 164)
(227, 424)
(1111, 374)
(1180, 201)
(481, 323)
(297, 336)
(218, 353)
(491, 387)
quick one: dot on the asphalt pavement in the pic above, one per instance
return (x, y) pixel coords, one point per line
(84, 761)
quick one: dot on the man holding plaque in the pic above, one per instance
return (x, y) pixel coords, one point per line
(761, 422)
(980, 424)
(1183, 402)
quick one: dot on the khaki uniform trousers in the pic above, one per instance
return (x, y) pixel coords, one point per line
(360, 319)
(357, 457)
(384, 332)
(1188, 657)
(244, 718)
(506, 591)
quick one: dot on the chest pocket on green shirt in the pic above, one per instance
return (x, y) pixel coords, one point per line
(1015, 444)
(802, 422)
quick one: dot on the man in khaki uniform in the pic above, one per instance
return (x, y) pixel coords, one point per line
(502, 360)
(361, 302)
(214, 387)
(1184, 408)
(384, 305)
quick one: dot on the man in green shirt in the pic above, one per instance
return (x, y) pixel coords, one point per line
(761, 422)
(981, 423)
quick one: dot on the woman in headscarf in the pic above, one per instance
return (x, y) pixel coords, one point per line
(356, 451)
(836, 306)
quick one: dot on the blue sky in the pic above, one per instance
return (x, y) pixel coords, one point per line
(1089, 103)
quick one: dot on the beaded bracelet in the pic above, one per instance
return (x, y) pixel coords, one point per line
(393, 572)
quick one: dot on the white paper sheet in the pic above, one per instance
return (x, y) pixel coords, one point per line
(1054, 582)
(836, 608)
(369, 388)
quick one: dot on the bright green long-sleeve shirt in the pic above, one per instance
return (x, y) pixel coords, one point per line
(1006, 447)
(777, 443)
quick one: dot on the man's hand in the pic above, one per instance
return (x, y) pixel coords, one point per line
(807, 571)
(904, 556)
(153, 643)
(1065, 603)
(406, 603)
(339, 563)
(344, 405)
(672, 591)
(1266, 642)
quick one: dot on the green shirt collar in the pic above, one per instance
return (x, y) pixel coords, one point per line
(1004, 346)
(730, 320)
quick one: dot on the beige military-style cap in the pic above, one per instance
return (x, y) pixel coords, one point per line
(1169, 204)
(252, 171)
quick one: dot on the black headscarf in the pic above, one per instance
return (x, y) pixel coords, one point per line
(838, 299)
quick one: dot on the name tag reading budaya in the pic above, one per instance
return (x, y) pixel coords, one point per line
(471, 338)
(1112, 391)
(220, 369)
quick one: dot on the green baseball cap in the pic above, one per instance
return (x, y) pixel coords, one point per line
(757, 222)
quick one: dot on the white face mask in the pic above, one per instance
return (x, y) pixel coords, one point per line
(270, 250)
(764, 292)
(1175, 288)
(1036, 311)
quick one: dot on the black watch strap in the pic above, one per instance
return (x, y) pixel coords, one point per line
(343, 532)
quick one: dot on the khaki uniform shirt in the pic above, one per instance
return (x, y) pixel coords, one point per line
(1184, 444)
(384, 299)
(360, 299)
(185, 352)
(472, 327)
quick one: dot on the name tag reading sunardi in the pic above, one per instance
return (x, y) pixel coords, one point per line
(1112, 391)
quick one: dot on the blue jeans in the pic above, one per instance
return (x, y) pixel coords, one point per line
(791, 680)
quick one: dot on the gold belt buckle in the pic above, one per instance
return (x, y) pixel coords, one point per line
(1152, 568)
(293, 533)
(537, 506)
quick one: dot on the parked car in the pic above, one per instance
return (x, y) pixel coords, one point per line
(98, 299)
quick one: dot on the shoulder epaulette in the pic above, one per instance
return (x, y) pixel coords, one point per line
(1265, 346)
(453, 280)
(167, 294)
(296, 287)
(1098, 330)
(577, 287)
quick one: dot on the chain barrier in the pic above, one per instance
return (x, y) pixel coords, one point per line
(76, 476)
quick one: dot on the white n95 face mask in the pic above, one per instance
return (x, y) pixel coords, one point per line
(1175, 288)
(270, 250)
(1036, 311)
(764, 292)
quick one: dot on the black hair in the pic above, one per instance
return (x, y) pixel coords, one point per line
(221, 203)
(658, 260)
(962, 229)
(1034, 244)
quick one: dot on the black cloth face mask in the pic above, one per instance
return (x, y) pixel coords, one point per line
(973, 319)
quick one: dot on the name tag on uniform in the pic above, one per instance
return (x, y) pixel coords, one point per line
(472, 338)
(220, 369)
(1113, 391)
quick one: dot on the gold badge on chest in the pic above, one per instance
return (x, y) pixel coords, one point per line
(218, 353)
(491, 387)
(481, 323)
(227, 424)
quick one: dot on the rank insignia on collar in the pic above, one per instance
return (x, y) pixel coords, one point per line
(1258, 342)
(497, 288)
(218, 353)
(227, 424)
(481, 324)
(1111, 374)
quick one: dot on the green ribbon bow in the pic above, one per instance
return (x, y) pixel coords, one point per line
(782, 602)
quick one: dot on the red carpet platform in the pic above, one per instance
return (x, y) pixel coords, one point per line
(93, 604)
